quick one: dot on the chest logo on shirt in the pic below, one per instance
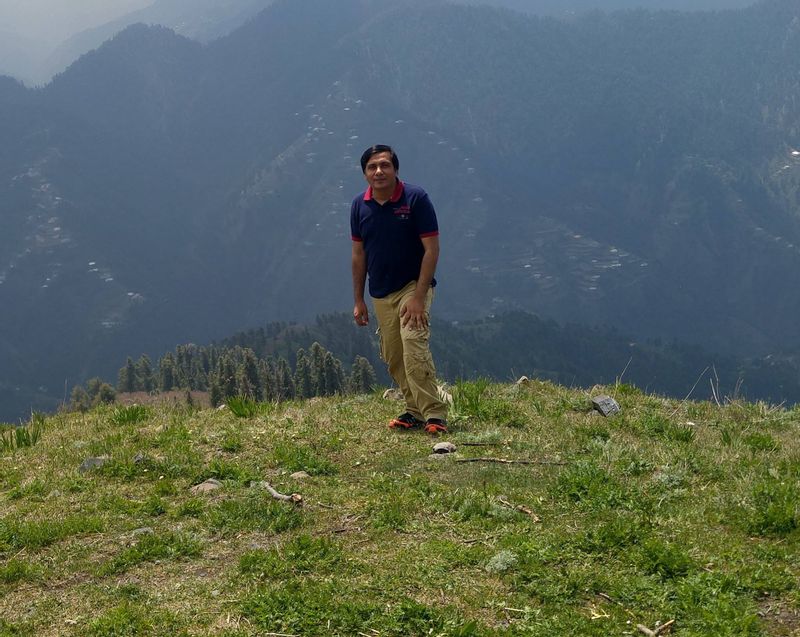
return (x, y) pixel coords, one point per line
(402, 212)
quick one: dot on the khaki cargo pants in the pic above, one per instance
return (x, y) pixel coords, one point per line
(406, 353)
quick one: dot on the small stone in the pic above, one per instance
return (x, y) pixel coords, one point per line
(139, 458)
(145, 530)
(300, 475)
(523, 380)
(606, 405)
(393, 394)
(205, 487)
(222, 407)
(444, 447)
(93, 463)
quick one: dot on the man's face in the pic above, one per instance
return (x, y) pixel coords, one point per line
(380, 172)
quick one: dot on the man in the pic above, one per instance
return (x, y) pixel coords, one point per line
(396, 241)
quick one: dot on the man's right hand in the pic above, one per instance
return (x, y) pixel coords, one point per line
(360, 313)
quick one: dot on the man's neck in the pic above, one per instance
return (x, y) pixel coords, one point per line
(384, 194)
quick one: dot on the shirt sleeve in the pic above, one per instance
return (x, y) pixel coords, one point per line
(425, 217)
(355, 226)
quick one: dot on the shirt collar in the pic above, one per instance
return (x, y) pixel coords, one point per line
(398, 192)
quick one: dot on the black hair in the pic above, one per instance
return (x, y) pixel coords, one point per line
(374, 150)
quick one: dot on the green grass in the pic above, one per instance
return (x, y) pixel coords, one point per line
(670, 510)
(244, 407)
(15, 438)
(36, 534)
(255, 511)
(292, 456)
(134, 620)
(302, 554)
(129, 415)
(152, 547)
(16, 570)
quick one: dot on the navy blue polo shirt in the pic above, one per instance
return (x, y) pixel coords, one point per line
(392, 235)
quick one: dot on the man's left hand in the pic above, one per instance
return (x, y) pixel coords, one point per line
(413, 314)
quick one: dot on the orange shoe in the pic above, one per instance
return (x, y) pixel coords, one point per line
(436, 426)
(405, 421)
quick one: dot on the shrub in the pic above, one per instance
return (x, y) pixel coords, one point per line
(129, 415)
(667, 560)
(502, 562)
(244, 407)
(20, 437)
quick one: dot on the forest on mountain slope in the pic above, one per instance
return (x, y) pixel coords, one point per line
(284, 361)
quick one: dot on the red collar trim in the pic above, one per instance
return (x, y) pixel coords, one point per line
(398, 192)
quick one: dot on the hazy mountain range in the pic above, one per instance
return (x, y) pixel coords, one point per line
(43, 37)
(634, 169)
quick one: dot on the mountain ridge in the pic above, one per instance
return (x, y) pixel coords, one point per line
(161, 190)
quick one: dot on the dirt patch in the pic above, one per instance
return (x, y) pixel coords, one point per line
(780, 619)
(198, 398)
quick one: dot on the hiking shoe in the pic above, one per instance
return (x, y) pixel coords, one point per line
(405, 421)
(435, 426)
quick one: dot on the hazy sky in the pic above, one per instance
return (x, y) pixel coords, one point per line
(56, 20)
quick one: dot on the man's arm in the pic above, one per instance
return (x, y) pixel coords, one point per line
(359, 264)
(413, 313)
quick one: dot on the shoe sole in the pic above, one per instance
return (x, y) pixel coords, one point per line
(399, 424)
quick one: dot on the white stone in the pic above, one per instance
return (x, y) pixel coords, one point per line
(206, 487)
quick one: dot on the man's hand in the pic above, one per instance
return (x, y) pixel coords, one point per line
(413, 314)
(361, 314)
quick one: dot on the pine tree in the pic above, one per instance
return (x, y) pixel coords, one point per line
(333, 375)
(304, 385)
(126, 379)
(341, 378)
(226, 377)
(247, 381)
(215, 395)
(105, 395)
(317, 353)
(93, 386)
(144, 374)
(285, 382)
(183, 366)
(166, 372)
(201, 371)
(362, 376)
(79, 399)
(266, 380)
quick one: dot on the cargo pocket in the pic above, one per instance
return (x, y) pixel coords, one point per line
(419, 365)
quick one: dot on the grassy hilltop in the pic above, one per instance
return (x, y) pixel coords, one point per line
(671, 517)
